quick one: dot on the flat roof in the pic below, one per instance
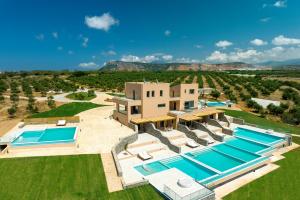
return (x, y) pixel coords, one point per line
(203, 113)
(189, 117)
(152, 119)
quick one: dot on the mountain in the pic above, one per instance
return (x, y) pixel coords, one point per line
(226, 66)
(294, 63)
(137, 66)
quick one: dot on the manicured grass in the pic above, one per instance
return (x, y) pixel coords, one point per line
(116, 94)
(61, 177)
(263, 123)
(283, 183)
(82, 96)
(66, 110)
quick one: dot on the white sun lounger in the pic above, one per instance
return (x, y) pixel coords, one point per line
(144, 155)
(192, 144)
(209, 140)
(61, 123)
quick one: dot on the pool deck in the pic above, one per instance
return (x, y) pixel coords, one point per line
(97, 133)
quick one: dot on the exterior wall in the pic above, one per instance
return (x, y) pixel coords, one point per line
(183, 92)
(130, 87)
(150, 104)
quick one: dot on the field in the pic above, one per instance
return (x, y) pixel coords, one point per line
(264, 123)
(19, 92)
(83, 96)
(61, 177)
(66, 110)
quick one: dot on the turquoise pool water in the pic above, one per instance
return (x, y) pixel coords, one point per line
(192, 169)
(246, 145)
(257, 136)
(215, 159)
(215, 104)
(238, 153)
(47, 136)
(235, 152)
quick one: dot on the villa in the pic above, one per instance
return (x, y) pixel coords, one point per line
(157, 134)
(182, 148)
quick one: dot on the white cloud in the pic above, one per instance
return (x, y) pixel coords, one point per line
(217, 56)
(264, 5)
(253, 56)
(60, 48)
(103, 22)
(258, 42)
(131, 58)
(265, 20)
(109, 53)
(167, 32)
(282, 40)
(85, 42)
(88, 65)
(167, 57)
(186, 60)
(55, 35)
(223, 44)
(198, 46)
(70, 52)
(40, 37)
(280, 4)
(159, 57)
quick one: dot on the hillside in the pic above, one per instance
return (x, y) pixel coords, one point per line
(137, 66)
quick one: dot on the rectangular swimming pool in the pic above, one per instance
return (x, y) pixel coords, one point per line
(192, 169)
(246, 145)
(46, 136)
(216, 159)
(257, 136)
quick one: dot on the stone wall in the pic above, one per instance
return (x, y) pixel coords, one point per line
(201, 127)
(225, 130)
(150, 128)
(121, 146)
(192, 135)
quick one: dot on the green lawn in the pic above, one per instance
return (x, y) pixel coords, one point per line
(66, 110)
(116, 94)
(263, 123)
(283, 183)
(61, 177)
(83, 96)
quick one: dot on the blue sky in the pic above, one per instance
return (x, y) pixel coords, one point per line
(68, 34)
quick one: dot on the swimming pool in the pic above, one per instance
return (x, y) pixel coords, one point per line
(45, 136)
(215, 104)
(257, 136)
(192, 169)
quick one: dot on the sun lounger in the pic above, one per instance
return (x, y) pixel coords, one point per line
(61, 123)
(144, 155)
(192, 144)
(209, 140)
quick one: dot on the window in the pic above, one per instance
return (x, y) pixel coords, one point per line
(153, 93)
(161, 93)
(162, 105)
(148, 93)
(184, 91)
(133, 94)
(192, 91)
